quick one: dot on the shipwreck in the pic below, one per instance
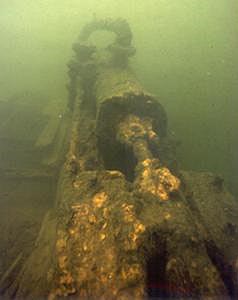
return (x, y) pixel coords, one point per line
(124, 221)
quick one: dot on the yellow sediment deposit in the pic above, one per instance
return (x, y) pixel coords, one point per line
(92, 219)
(129, 245)
(139, 227)
(72, 231)
(167, 216)
(106, 212)
(62, 261)
(60, 245)
(157, 181)
(81, 209)
(102, 236)
(152, 134)
(99, 199)
(128, 213)
(133, 236)
(131, 272)
(104, 225)
(146, 163)
(115, 174)
(136, 228)
(66, 279)
(85, 247)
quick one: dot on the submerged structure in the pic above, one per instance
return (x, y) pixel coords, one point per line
(126, 222)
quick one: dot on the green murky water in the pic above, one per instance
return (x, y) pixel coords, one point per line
(186, 55)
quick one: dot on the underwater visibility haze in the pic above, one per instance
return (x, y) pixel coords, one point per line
(118, 149)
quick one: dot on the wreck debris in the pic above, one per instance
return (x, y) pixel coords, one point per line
(151, 176)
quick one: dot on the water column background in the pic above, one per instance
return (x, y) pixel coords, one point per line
(186, 55)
